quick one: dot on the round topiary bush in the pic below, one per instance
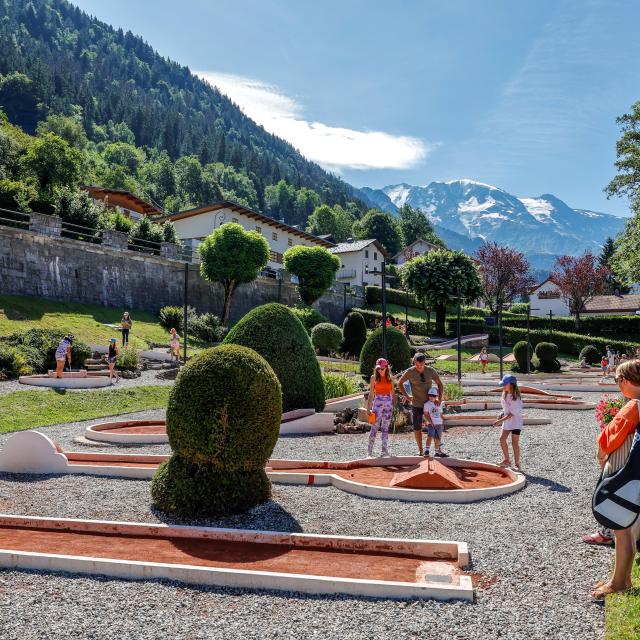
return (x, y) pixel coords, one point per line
(546, 355)
(309, 316)
(354, 331)
(326, 337)
(522, 352)
(398, 352)
(223, 420)
(590, 355)
(279, 337)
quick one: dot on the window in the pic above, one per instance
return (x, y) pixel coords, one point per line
(375, 255)
(290, 242)
(234, 220)
(366, 253)
(274, 256)
(274, 236)
(259, 229)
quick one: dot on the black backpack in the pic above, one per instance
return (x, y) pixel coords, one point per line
(616, 499)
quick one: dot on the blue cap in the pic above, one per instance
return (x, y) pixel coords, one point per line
(508, 379)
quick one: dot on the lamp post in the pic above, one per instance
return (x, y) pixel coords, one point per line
(459, 329)
(500, 338)
(529, 310)
(185, 307)
(382, 272)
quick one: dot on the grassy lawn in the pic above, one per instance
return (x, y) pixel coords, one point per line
(28, 409)
(397, 311)
(86, 321)
(451, 366)
(622, 611)
(339, 367)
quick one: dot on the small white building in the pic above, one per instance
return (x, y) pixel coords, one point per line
(415, 249)
(194, 225)
(357, 259)
(546, 297)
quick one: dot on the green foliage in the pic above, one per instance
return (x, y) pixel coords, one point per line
(398, 352)
(40, 346)
(334, 221)
(468, 326)
(128, 359)
(119, 222)
(326, 337)
(206, 327)
(223, 421)
(453, 391)
(473, 312)
(315, 268)
(414, 225)
(417, 327)
(169, 233)
(145, 231)
(17, 194)
(278, 336)
(79, 208)
(373, 295)
(12, 363)
(68, 128)
(309, 316)
(522, 352)
(354, 331)
(546, 357)
(337, 385)
(614, 284)
(382, 227)
(171, 317)
(590, 354)
(232, 256)
(519, 308)
(613, 326)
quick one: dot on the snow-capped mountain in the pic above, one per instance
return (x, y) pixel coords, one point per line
(466, 213)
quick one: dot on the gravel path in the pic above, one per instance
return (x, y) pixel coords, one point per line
(535, 574)
(146, 378)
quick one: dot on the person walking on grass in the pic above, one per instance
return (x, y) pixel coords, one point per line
(484, 359)
(63, 354)
(112, 358)
(419, 379)
(511, 420)
(174, 345)
(381, 392)
(614, 445)
(433, 416)
(126, 324)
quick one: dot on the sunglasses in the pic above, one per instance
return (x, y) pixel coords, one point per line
(422, 377)
(619, 379)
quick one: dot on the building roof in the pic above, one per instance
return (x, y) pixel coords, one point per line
(549, 279)
(410, 246)
(629, 303)
(358, 245)
(124, 198)
(250, 213)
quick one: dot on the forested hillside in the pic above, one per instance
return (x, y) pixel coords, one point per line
(177, 139)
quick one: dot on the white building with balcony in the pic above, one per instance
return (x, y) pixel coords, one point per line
(357, 257)
(194, 225)
(415, 249)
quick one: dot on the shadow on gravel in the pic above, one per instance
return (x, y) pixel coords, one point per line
(550, 484)
(28, 477)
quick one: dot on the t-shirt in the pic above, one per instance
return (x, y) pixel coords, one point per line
(433, 410)
(514, 407)
(420, 384)
(623, 424)
(484, 357)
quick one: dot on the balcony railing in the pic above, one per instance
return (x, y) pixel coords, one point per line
(346, 274)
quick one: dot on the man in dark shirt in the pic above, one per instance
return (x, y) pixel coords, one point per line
(421, 379)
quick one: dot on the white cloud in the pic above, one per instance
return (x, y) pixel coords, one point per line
(332, 147)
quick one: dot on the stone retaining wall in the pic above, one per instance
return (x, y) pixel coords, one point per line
(41, 263)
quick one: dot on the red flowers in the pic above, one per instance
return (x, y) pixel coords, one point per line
(607, 408)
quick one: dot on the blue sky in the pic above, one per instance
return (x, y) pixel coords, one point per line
(519, 94)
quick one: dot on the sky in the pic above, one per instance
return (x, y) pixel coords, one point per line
(521, 94)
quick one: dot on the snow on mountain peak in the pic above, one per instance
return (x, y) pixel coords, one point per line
(398, 193)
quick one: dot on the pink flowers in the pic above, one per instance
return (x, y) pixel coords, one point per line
(606, 409)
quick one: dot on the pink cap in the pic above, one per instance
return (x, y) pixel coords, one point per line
(381, 363)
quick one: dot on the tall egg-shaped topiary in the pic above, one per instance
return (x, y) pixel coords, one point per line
(398, 352)
(223, 420)
(280, 338)
(354, 331)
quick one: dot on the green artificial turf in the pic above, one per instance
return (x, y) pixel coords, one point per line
(622, 611)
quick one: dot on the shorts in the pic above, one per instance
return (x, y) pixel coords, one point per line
(112, 360)
(435, 432)
(417, 412)
(515, 432)
(63, 359)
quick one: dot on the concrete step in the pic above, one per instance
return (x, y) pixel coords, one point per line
(96, 367)
(95, 374)
(94, 361)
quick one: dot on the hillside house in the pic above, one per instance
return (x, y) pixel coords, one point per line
(131, 205)
(357, 257)
(415, 249)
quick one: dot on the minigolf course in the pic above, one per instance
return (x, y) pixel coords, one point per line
(308, 563)
(70, 380)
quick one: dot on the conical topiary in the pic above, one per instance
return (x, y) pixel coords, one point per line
(354, 331)
(223, 421)
(279, 337)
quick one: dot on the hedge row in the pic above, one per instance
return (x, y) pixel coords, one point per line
(373, 295)
(416, 327)
(467, 327)
(571, 343)
(600, 325)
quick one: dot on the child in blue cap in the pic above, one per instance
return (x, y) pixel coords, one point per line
(511, 420)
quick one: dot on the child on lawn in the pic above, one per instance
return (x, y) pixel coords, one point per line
(433, 416)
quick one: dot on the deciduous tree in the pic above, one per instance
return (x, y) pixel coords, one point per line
(315, 269)
(380, 226)
(230, 255)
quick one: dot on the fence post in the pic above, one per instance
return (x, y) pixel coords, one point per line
(113, 239)
(170, 250)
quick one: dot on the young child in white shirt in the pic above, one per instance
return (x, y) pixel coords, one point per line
(511, 420)
(433, 416)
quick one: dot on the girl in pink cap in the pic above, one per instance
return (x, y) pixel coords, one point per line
(381, 403)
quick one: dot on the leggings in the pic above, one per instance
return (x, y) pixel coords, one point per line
(383, 409)
(125, 337)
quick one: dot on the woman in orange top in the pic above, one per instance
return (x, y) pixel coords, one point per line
(614, 445)
(381, 399)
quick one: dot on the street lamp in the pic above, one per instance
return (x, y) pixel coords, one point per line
(375, 272)
(529, 310)
(458, 299)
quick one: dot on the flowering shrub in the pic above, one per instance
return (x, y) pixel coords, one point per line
(607, 408)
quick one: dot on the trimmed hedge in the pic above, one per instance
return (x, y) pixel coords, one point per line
(38, 346)
(354, 331)
(590, 354)
(522, 353)
(597, 325)
(223, 420)
(309, 316)
(326, 337)
(398, 352)
(373, 295)
(416, 327)
(275, 332)
(546, 354)
(571, 343)
(467, 327)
